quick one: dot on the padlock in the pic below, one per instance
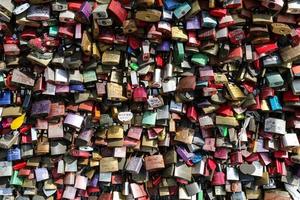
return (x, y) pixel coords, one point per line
(218, 177)
(6, 10)
(134, 164)
(207, 20)
(38, 12)
(293, 7)
(232, 3)
(84, 13)
(182, 10)
(115, 9)
(195, 9)
(59, 5)
(274, 79)
(178, 34)
(14, 154)
(139, 94)
(168, 71)
(200, 59)
(275, 125)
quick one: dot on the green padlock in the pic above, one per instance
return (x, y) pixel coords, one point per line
(223, 130)
(149, 118)
(200, 59)
(179, 52)
(15, 179)
(200, 195)
(89, 76)
(53, 31)
(134, 66)
(274, 79)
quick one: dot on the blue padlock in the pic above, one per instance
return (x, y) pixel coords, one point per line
(5, 98)
(197, 158)
(77, 88)
(164, 46)
(130, 50)
(275, 104)
(171, 4)
(14, 154)
(182, 10)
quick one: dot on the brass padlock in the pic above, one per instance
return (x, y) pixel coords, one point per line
(111, 57)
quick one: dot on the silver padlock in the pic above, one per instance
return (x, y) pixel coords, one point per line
(192, 188)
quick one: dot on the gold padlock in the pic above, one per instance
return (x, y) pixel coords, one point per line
(86, 43)
(115, 132)
(129, 26)
(235, 92)
(281, 29)
(178, 34)
(148, 15)
(111, 57)
(96, 53)
(115, 92)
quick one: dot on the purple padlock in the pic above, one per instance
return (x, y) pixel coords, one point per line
(41, 108)
(94, 181)
(184, 154)
(193, 23)
(164, 46)
(85, 12)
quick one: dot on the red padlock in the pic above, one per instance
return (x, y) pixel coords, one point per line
(66, 32)
(218, 177)
(207, 34)
(74, 6)
(252, 157)
(26, 139)
(226, 21)
(139, 94)
(236, 36)
(11, 40)
(192, 114)
(159, 61)
(225, 110)
(121, 39)
(265, 49)
(28, 34)
(212, 165)
(218, 12)
(156, 181)
(117, 11)
(20, 165)
(153, 33)
(192, 39)
(93, 190)
(236, 158)
(278, 168)
(134, 42)
(235, 54)
(288, 96)
(59, 193)
(221, 153)
(267, 92)
(106, 37)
